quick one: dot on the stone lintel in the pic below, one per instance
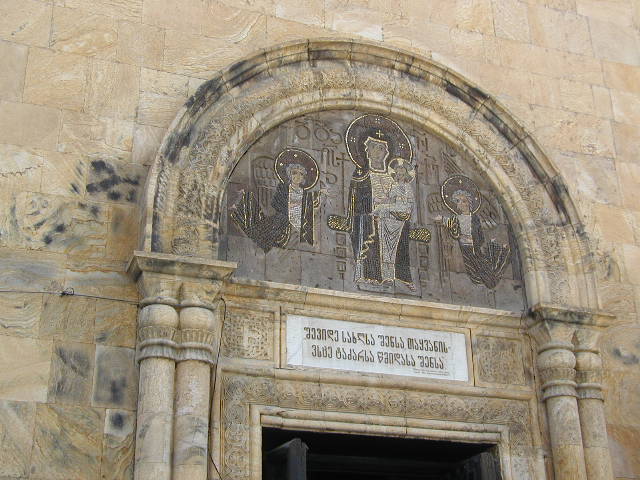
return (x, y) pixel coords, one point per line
(577, 316)
(179, 266)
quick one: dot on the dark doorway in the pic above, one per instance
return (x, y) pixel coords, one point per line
(300, 455)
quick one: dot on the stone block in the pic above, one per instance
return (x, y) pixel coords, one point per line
(29, 125)
(615, 43)
(20, 314)
(71, 373)
(629, 175)
(576, 96)
(105, 279)
(574, 132)
(602, 102)
(280, 30)
(620, 13)
(146, 142)
(618, 76)
(186, 16)
(124, 9)
(115, 323)
(498, 360)
(63, 174)
(623, 445)
(114, 182)
(140, 44)
(612, 224)
(510, 19)
(303, 11)
(27, 21)
(355, 19)
(626, 107)
(20, 168)
(25, 368)
(559, 30)
(84, 33)
(14, 61)
(632, 260)
(113, 90)
(68, 318)
(17, 420)
(161, 96)
(122, 235)
(419, 37)
(31, 270)
(118, 447)
(199, 56)
(627, 141)
(115, 382)
(96, 136)
(474, 16)
(68, 442)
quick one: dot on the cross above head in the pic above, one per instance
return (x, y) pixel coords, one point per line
(379, 134)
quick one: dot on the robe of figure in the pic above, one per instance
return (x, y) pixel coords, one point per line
(483, 268)
(293, 210)
(368, 231)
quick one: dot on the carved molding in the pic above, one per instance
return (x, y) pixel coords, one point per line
(233, 109)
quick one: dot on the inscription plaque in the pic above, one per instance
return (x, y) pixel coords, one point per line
(341, 345)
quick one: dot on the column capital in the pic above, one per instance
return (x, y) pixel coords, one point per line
(161, 276)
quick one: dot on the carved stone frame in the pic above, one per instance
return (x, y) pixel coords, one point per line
(180, 226)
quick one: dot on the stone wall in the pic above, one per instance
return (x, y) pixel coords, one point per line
(87, 91)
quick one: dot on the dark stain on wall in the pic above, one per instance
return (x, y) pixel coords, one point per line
(114, 184)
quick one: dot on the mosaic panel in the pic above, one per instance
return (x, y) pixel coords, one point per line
(359, 202)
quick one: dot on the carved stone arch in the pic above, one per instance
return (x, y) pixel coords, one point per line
(235, 108)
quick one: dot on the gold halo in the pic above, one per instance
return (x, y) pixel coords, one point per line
(460, 182)
(295, 155)
(376, 127)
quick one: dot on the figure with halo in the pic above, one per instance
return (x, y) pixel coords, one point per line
(293, 202)
(483, 265)
(380, 202)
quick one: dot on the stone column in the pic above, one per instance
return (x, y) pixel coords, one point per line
(200, 325)
(556, 365)
(591, 405)
(157, 350)
(162, 279)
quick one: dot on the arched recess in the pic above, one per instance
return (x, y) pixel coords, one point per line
(232, 110)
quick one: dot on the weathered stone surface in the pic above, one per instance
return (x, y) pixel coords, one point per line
(29, 125)
(17, 420)
(67, 442)
(623, 442)
(113, 90)
(161, 96)
(115, 323)
(12, 75)
(96, 137)
(140, 44)
(81, 32)
(126, 9)
(56, 79)
(20, 314)
(118, 447)
(68, 318)
(615, 43)
(629, 174)
(30, 23)
(26, 363)
(146, 142)
(71, 373)
(559, 30)
(115, 382)
(510, 20)
(499, 360)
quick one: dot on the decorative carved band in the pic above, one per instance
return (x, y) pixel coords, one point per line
(197, 344)
(157, 341)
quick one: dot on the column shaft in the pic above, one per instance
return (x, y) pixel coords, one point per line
(193, 393)
(157, 329)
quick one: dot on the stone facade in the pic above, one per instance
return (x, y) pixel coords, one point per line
(540, 95)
